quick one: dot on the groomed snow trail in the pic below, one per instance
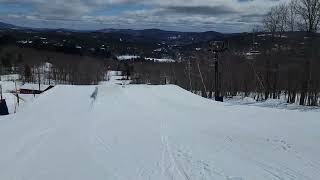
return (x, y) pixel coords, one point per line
(143, 132)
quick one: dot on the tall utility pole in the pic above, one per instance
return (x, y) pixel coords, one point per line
(1, 92)
(216, 48)
(189, 74)
(39, 79)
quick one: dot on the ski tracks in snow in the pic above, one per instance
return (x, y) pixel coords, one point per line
(180, 164)
(177, 163)
(170, 165)
(274, 169)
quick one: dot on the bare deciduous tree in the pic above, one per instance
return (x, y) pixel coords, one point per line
(292, 16)
(276, 21)
(271, 21)
(309, 11)
(283, 14)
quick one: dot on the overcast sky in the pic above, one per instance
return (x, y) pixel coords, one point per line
(181, 15)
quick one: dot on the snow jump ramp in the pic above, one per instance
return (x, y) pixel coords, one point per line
(155, 132)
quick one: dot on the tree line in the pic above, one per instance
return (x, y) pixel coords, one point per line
(299, 15)
(47, 67)
(287, 65)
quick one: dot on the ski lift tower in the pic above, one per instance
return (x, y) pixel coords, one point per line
(217, 47)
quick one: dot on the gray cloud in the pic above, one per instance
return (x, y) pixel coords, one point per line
(187, 15)
(203, 10)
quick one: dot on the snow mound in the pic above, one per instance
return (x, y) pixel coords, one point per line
(154, 132)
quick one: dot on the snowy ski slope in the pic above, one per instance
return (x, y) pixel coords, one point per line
(141, 132)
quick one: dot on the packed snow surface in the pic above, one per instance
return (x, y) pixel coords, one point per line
(139, 132)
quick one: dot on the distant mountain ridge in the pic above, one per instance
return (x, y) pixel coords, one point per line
(110, 30)
(154, 31)
(163, 35)
(130, 35)
(6, 26)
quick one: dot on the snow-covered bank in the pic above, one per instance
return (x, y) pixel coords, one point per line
(127, 57)
(155, 132)
(132, 57)
(160, 60)
(270, 103)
